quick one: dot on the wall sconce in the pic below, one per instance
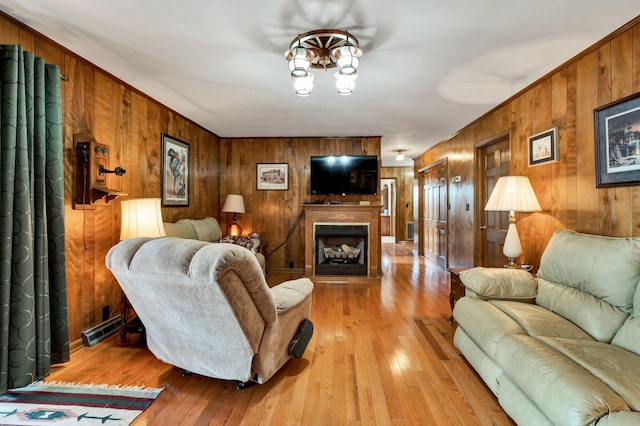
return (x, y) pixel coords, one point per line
(234, 204)
(90, 173)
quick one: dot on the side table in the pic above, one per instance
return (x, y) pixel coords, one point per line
(129, 321)
(456, 289)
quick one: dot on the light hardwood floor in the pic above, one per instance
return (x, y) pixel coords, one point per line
(381, 354)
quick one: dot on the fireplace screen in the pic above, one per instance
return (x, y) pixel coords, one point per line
(341, 249)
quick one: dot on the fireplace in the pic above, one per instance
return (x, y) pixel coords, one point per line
(341, 249)
(342, 243)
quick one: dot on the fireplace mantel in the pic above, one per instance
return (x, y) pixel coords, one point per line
(344, 214)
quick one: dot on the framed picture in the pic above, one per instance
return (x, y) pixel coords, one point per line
(272, 176)
(175, 172)
(617, 136)
(543, 147)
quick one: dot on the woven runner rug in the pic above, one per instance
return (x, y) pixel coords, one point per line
(74, 404)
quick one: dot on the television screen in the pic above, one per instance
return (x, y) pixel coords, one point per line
(346, 174)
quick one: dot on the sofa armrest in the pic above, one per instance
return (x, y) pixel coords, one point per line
(500, 283)
(291, 293)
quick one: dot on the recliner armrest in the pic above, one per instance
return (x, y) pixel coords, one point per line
(291, 293)
(500, 283)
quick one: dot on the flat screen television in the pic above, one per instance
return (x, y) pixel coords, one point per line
(343, 175)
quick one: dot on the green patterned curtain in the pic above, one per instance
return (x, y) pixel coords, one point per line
(34, 325)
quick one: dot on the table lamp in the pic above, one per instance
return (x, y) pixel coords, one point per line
(141, 217)
(512, 194)
(234, 204)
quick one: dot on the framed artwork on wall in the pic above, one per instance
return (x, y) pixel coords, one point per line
(175, 172)
(272, 176)
(543, 147)
(617, 137)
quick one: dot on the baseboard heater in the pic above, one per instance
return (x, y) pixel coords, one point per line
(95, 334)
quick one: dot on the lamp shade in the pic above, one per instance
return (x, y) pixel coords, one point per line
(233, 204)
(141, 217)
(513, 194)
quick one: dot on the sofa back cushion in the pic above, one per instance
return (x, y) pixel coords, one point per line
(206, 229)
(590, 280)
(180, 229)
(628, 336)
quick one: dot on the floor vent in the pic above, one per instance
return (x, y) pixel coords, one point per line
(409, 231)
(95, 334)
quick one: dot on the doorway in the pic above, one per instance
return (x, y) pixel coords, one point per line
(494, 157)
(434, 213)
(388, 213)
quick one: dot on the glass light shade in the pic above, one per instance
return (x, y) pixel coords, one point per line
(303, 85)
(234, 203)
(400, 156)
(141, 217)
(513, 193)
(345, 83)
(347, 59)
(299, 61)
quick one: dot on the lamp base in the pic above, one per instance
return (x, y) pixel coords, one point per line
(511, 264)
(512, 248)
(234, 229)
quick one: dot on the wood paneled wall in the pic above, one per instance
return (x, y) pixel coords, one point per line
(566, 189)
(404, 197)
(130, 123)
(273, 214)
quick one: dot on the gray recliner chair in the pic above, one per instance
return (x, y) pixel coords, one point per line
(207, 309)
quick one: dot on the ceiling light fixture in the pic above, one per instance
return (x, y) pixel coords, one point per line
(400, 155)
(324, 49)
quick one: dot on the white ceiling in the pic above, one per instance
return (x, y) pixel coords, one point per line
(428, 67)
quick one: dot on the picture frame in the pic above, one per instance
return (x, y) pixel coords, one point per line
(617, 143)
(175, 171)
(543, 147)
(272, 176)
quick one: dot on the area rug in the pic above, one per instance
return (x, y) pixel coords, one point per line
(57, 403)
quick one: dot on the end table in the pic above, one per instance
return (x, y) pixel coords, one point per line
(457, 289)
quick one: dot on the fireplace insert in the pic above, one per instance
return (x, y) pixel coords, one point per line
(341, 249)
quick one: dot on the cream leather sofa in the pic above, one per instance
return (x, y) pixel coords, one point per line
(561, 348)
(207, 229)
(207, 309)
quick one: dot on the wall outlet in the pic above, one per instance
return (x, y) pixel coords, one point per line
(106, 311)
(290, 265)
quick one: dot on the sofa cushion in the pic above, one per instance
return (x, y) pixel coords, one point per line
(607, 267)
(628, 337)
(500, 283)
(469, 312)
(207, 229)
(180, 229)
(538, 321)
(556, 384)
(598, 318)
(599, 274)
(617, 368)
